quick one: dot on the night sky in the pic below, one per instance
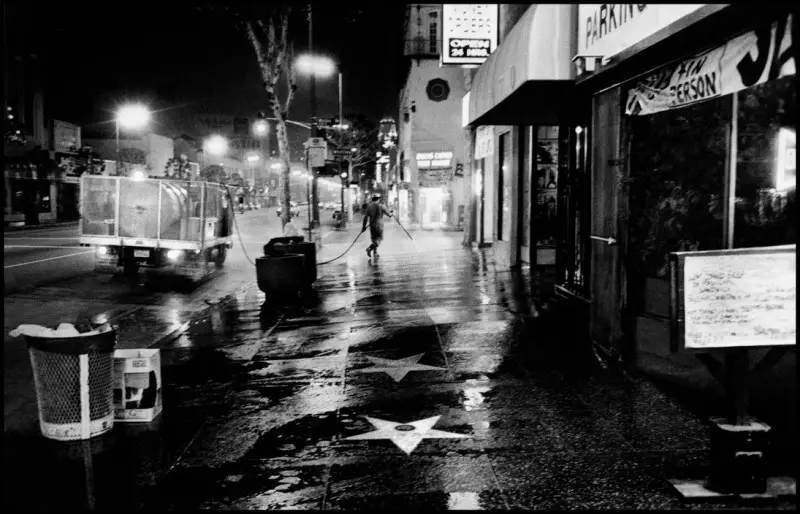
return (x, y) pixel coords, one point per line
(181, 60)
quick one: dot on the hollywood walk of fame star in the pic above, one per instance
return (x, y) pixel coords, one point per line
(406, 435)
(399, 368)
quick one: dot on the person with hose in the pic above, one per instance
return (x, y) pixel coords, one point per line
(374, 212)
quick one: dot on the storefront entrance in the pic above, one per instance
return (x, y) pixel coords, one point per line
(432, 206)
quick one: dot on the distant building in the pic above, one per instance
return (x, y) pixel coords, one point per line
(146, 151)
(35, 188)
(432, 142)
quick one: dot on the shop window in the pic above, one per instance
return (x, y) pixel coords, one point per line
(766, 194)
(676, 187)
(548, 158)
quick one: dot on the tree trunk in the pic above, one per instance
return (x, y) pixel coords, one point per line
(284, 192)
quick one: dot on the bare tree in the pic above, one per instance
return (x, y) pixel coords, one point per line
(266, 26)
(269, 36)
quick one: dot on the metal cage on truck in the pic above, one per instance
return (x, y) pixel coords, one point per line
(136, 220)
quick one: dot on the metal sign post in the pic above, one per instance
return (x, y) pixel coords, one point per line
(731, 301)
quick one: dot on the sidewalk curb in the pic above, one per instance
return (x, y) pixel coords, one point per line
(34, 228)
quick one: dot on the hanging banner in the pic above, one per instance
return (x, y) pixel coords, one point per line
(753, 58)
(435, 177)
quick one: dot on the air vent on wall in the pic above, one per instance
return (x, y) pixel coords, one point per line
(438, 90)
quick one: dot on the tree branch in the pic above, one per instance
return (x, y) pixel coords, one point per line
(258, 48)
(292, 77)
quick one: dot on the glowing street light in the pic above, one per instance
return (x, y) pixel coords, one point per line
(261, 127)
(315, 65)
(134, 117)
(216, 145)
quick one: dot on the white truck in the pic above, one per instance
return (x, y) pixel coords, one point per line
(158, 223)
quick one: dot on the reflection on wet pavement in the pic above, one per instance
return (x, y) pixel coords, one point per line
(406, 384)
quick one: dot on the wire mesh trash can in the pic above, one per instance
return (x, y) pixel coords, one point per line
(74, 380)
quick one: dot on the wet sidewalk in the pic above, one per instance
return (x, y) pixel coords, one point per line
(406, 384)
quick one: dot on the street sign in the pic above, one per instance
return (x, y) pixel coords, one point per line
(338, 152)
(316, 156)
(327, 122)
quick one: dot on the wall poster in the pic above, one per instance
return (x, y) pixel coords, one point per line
(547, 171)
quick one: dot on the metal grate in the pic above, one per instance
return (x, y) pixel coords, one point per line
(59, 393)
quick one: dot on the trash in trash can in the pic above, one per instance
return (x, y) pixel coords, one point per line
(74, 378)
(137, 385)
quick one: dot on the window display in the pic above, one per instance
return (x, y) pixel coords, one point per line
(676, 184)
(547, 159)
(766, 193)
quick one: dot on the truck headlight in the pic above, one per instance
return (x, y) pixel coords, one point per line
(102, 250)
(173, 255)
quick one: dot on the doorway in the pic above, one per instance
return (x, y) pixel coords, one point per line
(605, 308)
(526, 143)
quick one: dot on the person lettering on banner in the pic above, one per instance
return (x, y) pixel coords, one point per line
(374, 214)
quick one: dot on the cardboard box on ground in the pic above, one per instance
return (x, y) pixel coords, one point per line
(137, 385)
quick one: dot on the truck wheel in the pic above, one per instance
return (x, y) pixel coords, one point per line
(222, 253)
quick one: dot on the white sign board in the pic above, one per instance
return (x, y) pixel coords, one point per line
(427, 160)
(316, 156)
(469, 33)
(607, 29)
(736, 298)
(484, 142)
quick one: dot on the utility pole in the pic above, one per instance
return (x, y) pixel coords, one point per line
(313, 101)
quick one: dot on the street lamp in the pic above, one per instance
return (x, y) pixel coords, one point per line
(261, 128)
(133, 117)
(318, 66)
(216, 145)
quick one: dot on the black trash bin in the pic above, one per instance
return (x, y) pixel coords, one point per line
(295, 245)
(282, 276)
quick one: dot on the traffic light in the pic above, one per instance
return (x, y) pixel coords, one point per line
(459, 169)
(262, 115)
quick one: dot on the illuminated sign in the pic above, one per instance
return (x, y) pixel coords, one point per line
(426, 160)
(469, 33)
(608, 29)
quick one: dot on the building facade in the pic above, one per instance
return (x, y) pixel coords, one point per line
(518, 111)
(35, 188)
(432, 149)
(691, 146)
(144, 151)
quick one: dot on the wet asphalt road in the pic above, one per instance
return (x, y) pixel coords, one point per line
(404, 384)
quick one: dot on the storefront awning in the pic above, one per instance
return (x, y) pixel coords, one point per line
(534, 58)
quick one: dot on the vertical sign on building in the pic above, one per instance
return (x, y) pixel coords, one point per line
(469, 33)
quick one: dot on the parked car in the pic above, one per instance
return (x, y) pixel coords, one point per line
(294, 210)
